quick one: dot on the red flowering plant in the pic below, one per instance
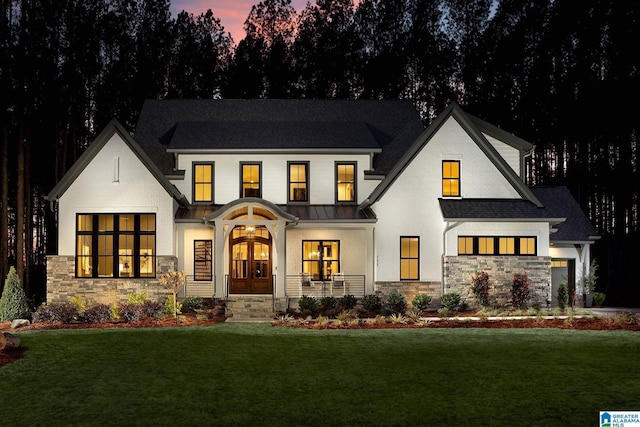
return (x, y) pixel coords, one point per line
(520, 291)
(480, 288)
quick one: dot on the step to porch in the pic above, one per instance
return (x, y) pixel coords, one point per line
(250, 307)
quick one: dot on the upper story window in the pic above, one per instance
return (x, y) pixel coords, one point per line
(203, 182)
(451, 178)
(115, 245)
(251, 177)
(345, 182)
(298, 181)
(409, 258)
(504, 245)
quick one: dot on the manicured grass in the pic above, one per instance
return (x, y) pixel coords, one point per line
(259, 375)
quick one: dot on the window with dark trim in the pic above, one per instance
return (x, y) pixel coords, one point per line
(298, 173)
(409, 258)
(203, 182)
(202, 260)
(115, 245)
(492, 245)
(450, 178)
(345, 182)
(321, 258)
(251, 177)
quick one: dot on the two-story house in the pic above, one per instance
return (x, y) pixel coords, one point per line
(267, 200)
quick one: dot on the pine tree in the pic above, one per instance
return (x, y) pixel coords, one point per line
(13, 304)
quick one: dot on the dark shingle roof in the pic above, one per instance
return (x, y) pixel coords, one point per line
(559, 208)
(390, 125)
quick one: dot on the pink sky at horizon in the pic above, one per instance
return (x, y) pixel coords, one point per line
(232, 13)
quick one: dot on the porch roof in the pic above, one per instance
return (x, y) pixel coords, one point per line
(304, 213)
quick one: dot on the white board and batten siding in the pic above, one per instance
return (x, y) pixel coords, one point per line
(116, 181)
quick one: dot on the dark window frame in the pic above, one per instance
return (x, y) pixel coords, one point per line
(242, 181)
(458, 179)
(409, 258)
(290, 182)
(115, 233)
(203, 268)
(496, 245)
(337, 182)
(194, 183)
(320, 261)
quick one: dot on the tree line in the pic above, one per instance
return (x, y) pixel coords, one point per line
(561, 74)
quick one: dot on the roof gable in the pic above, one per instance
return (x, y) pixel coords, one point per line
(114, 127)
(469, 126)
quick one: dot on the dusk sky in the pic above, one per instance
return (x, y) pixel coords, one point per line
(232, 13)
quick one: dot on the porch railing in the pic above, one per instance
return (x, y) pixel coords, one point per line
(338, 286)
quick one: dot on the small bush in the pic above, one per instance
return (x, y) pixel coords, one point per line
(328, 303)
(171, 306)
(623, 318)
(563, 296)
(308, 304)
(191, 304)
(520, 291)
(397, 302)
(421, 301)
(130, 312)
(137, 299)
(65, 312)
(347, 302)
(13, 304)
(450, 301)
(598, 298)
(372, 303)
(480, 288)
(152, 308)
(96, 313)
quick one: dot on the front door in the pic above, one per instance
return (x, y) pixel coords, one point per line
(250, 269)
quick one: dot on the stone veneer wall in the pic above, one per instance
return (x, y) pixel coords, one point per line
(458, 271)
(410, 290)
(63, 285)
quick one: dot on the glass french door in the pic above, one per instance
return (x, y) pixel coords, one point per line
(250, 269)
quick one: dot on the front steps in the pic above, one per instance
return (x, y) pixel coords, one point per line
(250, 307)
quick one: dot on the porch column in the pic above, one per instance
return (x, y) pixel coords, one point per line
(218, 266)
(281, 265)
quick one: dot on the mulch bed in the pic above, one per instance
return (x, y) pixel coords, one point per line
(9, 355)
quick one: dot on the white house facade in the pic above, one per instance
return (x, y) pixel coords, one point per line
(263, 201)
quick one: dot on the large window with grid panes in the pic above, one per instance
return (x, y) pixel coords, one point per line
(115, 245)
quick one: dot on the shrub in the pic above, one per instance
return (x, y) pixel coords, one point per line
(421, 301)
(347, 302)
(308, 304)
(65, 312)
(137, 299)
(171, 307)
(191, 304)
(450, 301)
(96, 313)
(563, 296)
(328, 303)
(598, 298)
(397, 302)
(152, 308)
(623, 318)
(372, 302)
(130, 312)
(520, 291)
(480, 288)
(13, 304)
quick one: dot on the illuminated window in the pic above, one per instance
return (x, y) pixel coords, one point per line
(203, 182)
(489, 245)
(321, 258)
(409, 258)
(251, 177)
(507, 246)
(345, 182)
(202, 261)
(451, 178)
(299, 182)
(115, 245)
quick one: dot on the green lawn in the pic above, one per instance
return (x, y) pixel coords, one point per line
(258, 375)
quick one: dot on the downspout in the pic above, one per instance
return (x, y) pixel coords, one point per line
(449, 227)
